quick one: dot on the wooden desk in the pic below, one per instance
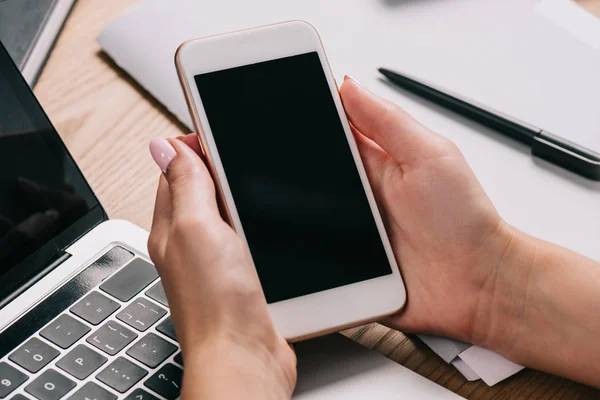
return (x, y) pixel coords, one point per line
(107, 120)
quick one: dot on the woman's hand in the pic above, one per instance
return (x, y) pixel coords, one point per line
(230, 347)
(445, 232)
(468, 274)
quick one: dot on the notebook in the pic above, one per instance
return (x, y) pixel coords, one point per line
(143, 43)
(28, 30)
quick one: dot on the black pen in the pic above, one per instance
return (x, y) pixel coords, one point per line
(543, 144)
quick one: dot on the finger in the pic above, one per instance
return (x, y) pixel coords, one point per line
(400, 135)
(192, 141)
(161, 219)
(375, 161)
(190, 185)
(373, 157)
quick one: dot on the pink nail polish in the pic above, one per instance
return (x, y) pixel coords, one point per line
(162, 152)
(346, 77)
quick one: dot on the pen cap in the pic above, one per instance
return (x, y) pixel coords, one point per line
(567, 154)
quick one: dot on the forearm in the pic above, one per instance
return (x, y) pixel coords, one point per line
(222, 371)
(544, 309)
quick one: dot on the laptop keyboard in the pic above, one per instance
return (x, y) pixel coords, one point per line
(111, 338)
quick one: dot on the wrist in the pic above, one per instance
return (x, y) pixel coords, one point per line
(537, 309)
(503, 298)
(214, 365)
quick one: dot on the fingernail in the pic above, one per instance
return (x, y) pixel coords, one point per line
(162, 152)
(348, 77)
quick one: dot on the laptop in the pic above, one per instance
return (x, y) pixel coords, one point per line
(29, 28)
(83, 314)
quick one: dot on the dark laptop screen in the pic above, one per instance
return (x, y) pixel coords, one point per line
(42, 192)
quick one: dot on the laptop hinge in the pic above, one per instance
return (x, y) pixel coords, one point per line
(59, 258)
(49, 256)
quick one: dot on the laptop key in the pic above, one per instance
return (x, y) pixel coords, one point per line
(121, 374)
(178, 358)
(64, 331)
(166, 381)
(151, 350)
(111, 338)
(81, 362)
(50, 386)
(140, 394)
(10, 379)
(157, 292)
(64, 297)
(92, 391)
(130, 280)
(141, 314)
(167, 328)
(95, 308)
(34, 355)
(19, 396)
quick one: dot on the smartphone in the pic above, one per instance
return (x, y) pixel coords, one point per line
(289, 176)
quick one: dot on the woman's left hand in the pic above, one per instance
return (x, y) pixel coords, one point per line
(230, 346)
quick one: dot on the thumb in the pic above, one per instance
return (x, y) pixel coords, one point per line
(395, 131)
(190, 184)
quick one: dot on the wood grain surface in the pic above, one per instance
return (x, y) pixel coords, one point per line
(107, 120)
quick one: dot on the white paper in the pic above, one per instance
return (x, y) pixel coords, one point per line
(335, 367)
(436, 41)
(573, 18)
(489, 366)
(473, 362)
(464, 369)
(446, 348)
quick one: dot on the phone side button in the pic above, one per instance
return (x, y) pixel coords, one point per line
(201, 147)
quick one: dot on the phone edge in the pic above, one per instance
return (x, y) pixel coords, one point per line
(225, 213)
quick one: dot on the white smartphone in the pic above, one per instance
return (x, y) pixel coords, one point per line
(289, 176)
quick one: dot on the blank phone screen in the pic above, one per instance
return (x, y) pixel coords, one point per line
(294, 181)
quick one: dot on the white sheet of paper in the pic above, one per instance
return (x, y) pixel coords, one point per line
(573, 18)
(464, 369)
(335, 367)
(473, 362)
(360, 36)
(489, 366)
(446, 348)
